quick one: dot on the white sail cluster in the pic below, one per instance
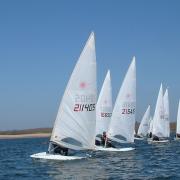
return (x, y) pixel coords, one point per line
(81, 117)
(160, 126)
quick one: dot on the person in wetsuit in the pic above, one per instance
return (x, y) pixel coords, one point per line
(155, 138)
(57, 149)
(150, 135)
(178, 135)
(105, 141)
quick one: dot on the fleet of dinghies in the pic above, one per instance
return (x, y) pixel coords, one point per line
(85, 123)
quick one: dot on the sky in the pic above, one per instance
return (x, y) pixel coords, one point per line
(40, 42)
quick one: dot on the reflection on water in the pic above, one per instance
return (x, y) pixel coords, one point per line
(148, 161)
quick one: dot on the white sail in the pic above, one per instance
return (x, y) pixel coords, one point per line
(166, 114)
(123, 116)
(75, 123)
(104, 106)
(144, 125)
(178, 120)
(158, 119)
(150, 125)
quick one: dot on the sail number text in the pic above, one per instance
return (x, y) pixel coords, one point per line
(106, 114)
(84, 107)
(128, 111)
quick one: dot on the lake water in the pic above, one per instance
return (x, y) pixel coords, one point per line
(147, 161)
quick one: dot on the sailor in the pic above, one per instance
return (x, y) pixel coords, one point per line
(103, 138)
(150, 135)
(60, 150)
(105, 141)
(155, 138)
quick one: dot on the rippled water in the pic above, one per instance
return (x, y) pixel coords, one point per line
(147, 161)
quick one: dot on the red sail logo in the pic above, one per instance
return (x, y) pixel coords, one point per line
(83, 85)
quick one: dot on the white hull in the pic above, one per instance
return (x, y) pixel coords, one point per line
(140, 139)
(44, 155)
(100, 148)
(177, 139)
(156, 142)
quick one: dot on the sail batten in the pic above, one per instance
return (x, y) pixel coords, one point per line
(76, 118)
(122, 122)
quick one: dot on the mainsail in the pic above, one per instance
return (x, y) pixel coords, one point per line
(75, 123)
(166, 113)
(104, 106)
(123, 116)
(178, 120)
(150, 125)
(158, 119)
(144, 125)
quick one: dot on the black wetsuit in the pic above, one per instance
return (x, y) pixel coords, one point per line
(150, 135)
(60, 150)
(155, 138)
(178, 135)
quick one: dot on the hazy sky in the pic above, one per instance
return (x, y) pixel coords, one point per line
(40, 42)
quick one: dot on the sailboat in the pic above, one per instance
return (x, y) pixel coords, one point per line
(150, 127)
(166, 114)
(75, 124)
(178, 124)
(121, 127)
(104, 107)
(144, 125)
(158, 130)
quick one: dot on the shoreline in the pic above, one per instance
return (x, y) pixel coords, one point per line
(21, 136)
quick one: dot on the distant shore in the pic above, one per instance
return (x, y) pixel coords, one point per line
(26, 133)
(20, 136)
(46, 132)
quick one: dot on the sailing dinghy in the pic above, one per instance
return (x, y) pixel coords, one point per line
(104, 108)
(178, 124)
(166, 114)
(121, 127)
(159, 123)
(75, 124)
(144, 125)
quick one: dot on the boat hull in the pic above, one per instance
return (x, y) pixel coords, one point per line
(156, 142)
(100, 148)
(44, 155)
